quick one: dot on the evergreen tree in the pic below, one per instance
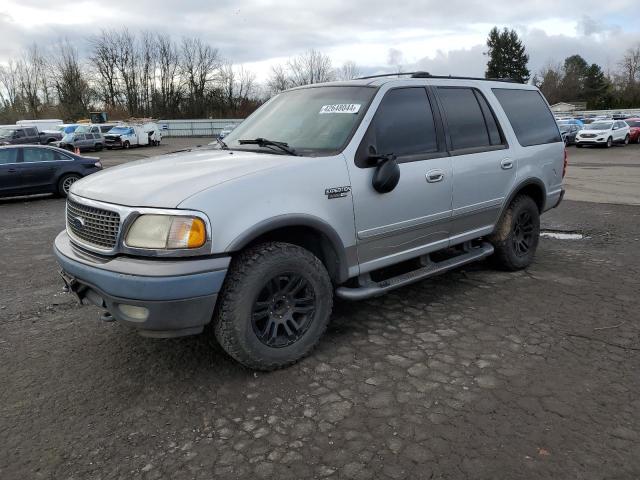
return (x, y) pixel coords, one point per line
(507, 56)
(596, 88)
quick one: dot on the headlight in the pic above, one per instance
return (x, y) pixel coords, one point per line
(166, 232)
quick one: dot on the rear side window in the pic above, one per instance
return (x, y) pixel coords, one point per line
(470, 121)
(32, 155)
(32, 132)
(530, 117)
(403, 124)
(8, 155)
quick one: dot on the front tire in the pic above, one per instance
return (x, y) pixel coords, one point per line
(609, 142)
(126, 144)
(274, 306)
(516, 237)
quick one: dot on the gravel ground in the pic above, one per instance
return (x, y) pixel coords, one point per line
(475, 374)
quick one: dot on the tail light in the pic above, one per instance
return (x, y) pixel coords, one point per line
(566, 162)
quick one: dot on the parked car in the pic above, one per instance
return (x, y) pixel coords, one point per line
(17, 135)
(604, 133)
(126, 136)
(634, 129)
(571, 121)
(341, 188)
(85, 137)
(30, 169)
(569, 132)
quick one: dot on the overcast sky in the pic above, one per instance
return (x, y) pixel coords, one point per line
(442, 37)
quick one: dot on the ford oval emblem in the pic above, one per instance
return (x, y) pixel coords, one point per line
(77, 222)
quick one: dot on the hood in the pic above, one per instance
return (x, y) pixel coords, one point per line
(167, 180)
(595, 132)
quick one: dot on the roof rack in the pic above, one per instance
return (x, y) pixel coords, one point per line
(428, 75)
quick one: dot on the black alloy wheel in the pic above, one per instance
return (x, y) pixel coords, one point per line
(283, 310)
(523, 233)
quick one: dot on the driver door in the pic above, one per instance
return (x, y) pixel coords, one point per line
(414, 218)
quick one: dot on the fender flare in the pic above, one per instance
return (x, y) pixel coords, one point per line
(295, 220)
(525, 183)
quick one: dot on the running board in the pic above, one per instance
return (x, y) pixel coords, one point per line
(374, 289)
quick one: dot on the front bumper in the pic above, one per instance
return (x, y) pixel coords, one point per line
(179, 295)
(590, 141)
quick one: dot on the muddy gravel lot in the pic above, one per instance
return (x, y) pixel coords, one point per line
(476, 374)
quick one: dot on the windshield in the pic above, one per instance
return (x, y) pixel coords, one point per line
(565, 128)
(67, 128)
(82, 129)
(311, 121)
(599, 126)
(6, 132)
(120, 130)
(633, 123)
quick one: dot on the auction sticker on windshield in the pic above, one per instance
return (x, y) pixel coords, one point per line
(341, 108)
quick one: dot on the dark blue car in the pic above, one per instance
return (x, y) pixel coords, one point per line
(30, 169)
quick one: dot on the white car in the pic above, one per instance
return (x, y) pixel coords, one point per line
(604, 132)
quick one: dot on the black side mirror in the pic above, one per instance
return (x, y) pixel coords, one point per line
(387, 174)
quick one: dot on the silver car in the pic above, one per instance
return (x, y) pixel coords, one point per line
(84, 137)
(344, 189)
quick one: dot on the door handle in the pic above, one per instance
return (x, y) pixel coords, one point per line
(435, 176)
(12, 170)
(506, 164)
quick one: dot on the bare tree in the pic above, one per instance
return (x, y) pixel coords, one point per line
(70, 82)
(127, 64)
(104, 55)
(29, 72)
(199, 65)
(550, 82)
(147, 71)
(310, 67)
(170, 88)
(10, 85)
(348, 71)
(395, 58)
(630, 65)
(278, 80)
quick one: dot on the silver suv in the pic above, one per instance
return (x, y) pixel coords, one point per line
(349, 189)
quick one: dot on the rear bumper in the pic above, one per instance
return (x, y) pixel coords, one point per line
(175, 296)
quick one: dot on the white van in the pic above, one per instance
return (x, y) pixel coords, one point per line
(48, 124)
(126, 136)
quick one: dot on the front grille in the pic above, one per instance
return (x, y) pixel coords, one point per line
(95, 226)
(588, 135)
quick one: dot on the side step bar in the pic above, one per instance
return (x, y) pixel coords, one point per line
(373, 289)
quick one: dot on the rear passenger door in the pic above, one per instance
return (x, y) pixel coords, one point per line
(38, 167)
(483, 171)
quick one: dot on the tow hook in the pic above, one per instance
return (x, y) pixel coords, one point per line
(107, 317)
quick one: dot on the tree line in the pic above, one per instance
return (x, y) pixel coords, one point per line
(146, 75)
(574, 80)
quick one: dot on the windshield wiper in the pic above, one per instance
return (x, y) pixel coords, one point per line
(223, 145)
(263, 142)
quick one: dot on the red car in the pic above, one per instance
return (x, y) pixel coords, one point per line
(634, 132)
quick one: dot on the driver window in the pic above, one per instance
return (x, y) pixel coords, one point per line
(403, 124)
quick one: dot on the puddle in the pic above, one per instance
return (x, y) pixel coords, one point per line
(562, 235)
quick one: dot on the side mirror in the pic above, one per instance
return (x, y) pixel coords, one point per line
(387, 174)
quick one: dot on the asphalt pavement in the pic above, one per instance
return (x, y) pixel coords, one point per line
(476, 374)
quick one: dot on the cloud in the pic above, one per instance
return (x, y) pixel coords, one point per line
(441, 37)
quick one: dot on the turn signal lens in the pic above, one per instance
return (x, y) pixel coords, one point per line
(186, 232)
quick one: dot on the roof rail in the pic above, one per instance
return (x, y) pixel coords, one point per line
(428, 75)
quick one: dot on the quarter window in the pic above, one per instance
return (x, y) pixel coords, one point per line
(8, 155)
(529, 115)
(403, 124)
(470, 121)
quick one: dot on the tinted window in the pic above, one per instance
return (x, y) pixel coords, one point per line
(404, 124)
(19, 133)
(464, 118)
(529, 115)
(32, 132)
(490, 119)
(8, 155)
(39, 155)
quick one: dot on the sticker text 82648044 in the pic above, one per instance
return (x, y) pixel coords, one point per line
(340, 108)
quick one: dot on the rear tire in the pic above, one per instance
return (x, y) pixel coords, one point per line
(516, 237)
(626, 140)
(64, 184)
(274, 306)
